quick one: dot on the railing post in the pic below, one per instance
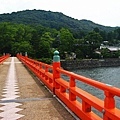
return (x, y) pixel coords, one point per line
(20, 54)
(86, 107)
(72, 96)
(56, 74)
(109, 101)
(26, 56)
(46, 70)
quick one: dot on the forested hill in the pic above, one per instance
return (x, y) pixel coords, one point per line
(52, 19)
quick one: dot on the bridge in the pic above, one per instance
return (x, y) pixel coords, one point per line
(30, 89)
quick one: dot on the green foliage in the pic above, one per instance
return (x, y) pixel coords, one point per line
(45, 60)
(22, 47)
(45, 46)
(66, 41)
(53, 20)
(39, 33)
(108, 54)
(89, 44)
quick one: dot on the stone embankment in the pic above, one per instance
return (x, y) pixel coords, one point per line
(89, 63)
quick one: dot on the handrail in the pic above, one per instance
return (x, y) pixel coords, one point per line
(102, 86)
(69, 93)
(3, 58)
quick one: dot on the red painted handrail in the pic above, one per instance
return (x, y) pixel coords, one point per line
(3, 58)
(69, 93)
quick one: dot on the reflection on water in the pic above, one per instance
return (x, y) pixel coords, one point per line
(107, 75)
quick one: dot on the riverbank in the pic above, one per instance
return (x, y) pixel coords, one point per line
(89, 63)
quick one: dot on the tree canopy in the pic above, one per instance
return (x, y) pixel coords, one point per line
(54, 20)
(40, 41)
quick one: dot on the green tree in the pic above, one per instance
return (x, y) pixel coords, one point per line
(79, 48)
(66, 41)
(110, 36)
(23, 33)
(45, 46)
(96, 30)
(22, 47)
(117, 33)
(7, 32)
(92, 41)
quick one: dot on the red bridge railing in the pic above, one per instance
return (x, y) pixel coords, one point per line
(3, 58)
(69, 93)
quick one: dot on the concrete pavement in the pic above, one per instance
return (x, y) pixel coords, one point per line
(23, 97)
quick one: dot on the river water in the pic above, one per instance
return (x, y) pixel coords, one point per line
(107, 75)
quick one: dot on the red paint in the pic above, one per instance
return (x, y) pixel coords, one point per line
(68, 91)
(3, 58)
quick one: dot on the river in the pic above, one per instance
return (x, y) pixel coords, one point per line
(107, 75)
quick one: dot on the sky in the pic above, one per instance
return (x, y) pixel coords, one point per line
(103, 12)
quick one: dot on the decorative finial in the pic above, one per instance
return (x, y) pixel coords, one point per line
(56, 57)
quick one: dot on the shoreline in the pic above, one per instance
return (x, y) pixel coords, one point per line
(90, 63)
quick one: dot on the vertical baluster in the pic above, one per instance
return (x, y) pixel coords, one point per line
(72, 84)
(109, 103)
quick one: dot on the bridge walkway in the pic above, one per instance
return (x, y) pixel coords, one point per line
(23, 97)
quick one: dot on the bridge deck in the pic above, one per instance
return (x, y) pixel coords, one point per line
(25, 98)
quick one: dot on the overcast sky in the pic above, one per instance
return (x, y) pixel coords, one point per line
(104, 12)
